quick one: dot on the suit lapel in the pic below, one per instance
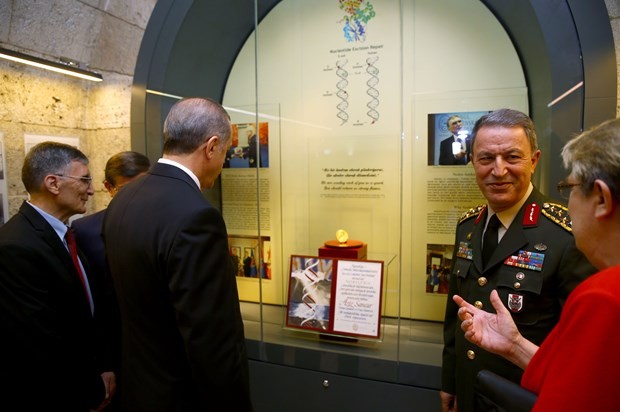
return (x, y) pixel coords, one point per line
(49, 235)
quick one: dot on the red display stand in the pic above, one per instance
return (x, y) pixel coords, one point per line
(351, 249)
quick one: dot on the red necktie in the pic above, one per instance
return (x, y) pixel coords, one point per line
(74, 256)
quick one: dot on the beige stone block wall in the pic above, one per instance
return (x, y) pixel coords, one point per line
(104, 34)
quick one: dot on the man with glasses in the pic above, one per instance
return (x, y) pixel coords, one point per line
(454, 150)
(49, 351)
(518, 243)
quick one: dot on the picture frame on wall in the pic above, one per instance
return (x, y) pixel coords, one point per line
(441, 138)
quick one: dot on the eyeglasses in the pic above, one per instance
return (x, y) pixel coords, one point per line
(565, 188)
(85, 179)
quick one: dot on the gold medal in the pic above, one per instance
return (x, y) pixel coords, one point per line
(342, 236)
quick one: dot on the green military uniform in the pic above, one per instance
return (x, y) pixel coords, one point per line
(535, 266)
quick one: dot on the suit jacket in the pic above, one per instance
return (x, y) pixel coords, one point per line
(534, 268)
(183, 337)
(87, 232)
(49, 348)
(446, 157)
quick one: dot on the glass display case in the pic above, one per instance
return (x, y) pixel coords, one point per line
(339, 110)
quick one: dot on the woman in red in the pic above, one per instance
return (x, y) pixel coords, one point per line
(577, 367)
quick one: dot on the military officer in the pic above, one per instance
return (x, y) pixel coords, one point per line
(534, 265)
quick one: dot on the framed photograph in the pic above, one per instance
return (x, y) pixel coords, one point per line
(250, 260)
(443, 150)
(244, 151)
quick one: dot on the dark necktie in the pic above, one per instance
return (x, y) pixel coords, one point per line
(490, 240)
(72, 246)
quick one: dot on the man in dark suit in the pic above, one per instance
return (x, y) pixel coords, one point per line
(449, 156)
(49, 351)
(167, 250)
(120, 169)
(534, 265)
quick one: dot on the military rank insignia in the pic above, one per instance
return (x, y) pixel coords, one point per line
(515, 302)
(465, 251)
(526, 260)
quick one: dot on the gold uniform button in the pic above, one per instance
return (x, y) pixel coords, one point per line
(471, 354)
(478, 304)
(517, 285)
(482, 281)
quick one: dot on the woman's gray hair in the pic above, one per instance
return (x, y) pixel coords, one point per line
(48, 158)
(595, 154)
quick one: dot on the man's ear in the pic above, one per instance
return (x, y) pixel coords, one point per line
(51, 183)
(604, 206)
(211, 146)
(108, 186)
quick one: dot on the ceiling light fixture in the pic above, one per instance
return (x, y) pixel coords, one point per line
(66, 66)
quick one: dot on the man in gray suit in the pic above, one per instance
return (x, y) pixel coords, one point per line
(167, 250)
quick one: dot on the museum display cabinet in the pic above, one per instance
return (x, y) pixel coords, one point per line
(339, 109)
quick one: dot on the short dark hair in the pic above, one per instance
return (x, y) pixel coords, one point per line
(507, 118)
(48, 158)
(126, 164)
(192, 121)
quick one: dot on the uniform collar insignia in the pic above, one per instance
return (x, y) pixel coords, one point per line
(530, 217)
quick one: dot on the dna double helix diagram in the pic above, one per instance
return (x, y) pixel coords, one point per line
(342, 94)
(372, 105)
(343, 105)
(309, 278)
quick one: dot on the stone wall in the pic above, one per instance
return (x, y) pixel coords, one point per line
(105, 34)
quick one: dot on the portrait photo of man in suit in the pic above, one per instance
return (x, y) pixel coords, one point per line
(449, 137)
(454, 150)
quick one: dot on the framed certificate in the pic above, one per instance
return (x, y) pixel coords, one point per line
(335, 296)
